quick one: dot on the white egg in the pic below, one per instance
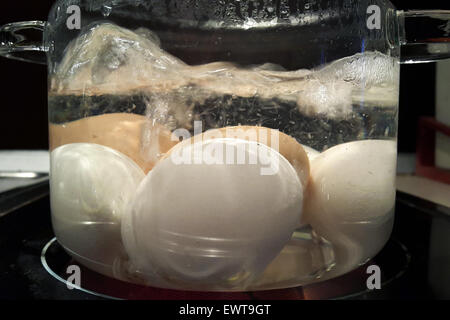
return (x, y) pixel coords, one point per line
(350, 199)
(312, 153)
(90, 186)
(210, 225)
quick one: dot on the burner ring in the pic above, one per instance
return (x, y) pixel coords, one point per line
(350, 286)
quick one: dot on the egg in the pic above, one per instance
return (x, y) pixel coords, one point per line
(300, 262)
(133, 135)
(312, 153)
(350, 199)
(213, 226)
(91, 186)
(279, 141)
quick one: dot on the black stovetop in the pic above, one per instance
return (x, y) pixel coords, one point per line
(421, 228)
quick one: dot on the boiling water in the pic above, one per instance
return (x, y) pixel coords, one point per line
(364, 121)
(110, 70)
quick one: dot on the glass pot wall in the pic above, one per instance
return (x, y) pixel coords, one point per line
(224, 145)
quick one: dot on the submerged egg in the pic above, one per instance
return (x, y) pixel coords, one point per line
(213, 225)
(350, 199)
(312, 153)
(90, 186)
(133, 135)
(279, 141)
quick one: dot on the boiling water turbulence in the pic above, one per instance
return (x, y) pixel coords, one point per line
(110, 72)
(354, 97)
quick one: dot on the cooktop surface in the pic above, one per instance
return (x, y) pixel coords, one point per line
(414, 264)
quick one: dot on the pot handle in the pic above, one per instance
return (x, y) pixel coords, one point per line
(424, 35)
(23, 41)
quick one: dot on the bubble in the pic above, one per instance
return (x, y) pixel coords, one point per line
(106, 10)
(112, 60)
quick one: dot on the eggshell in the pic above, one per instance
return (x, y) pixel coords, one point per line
(312, 153)
(279, 141)
(90, 187)
(133, 135)
(297, 264)
(212, 226)
(350, 199)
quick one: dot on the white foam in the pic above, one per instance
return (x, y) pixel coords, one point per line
(109, 59)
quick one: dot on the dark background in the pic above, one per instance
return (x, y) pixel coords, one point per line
(23, 93)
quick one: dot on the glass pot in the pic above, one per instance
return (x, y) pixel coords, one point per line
(224, 145)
